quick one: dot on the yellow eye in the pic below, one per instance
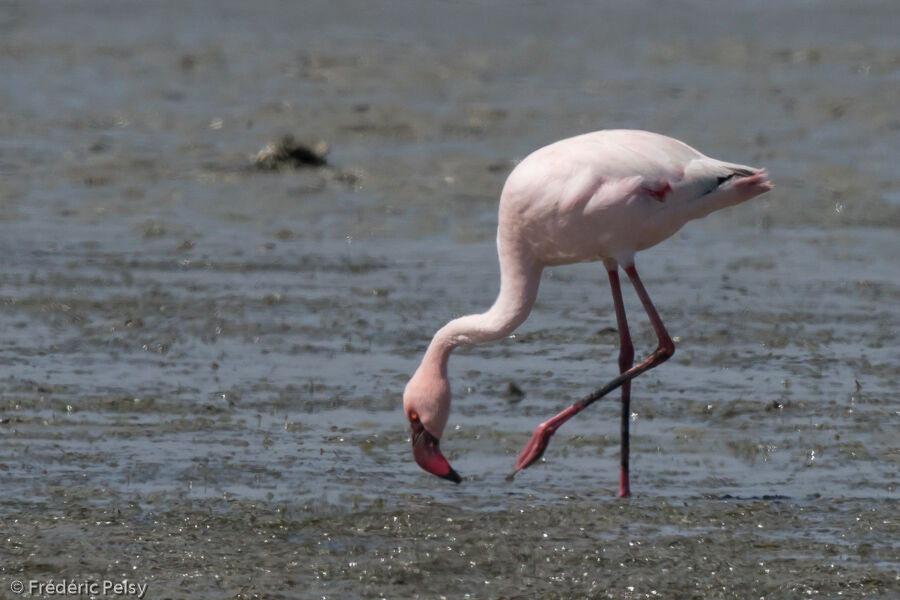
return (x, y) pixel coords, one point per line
(413, 416)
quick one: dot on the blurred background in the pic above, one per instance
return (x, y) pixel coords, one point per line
(206, 340)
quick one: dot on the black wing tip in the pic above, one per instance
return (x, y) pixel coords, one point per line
(734, 172)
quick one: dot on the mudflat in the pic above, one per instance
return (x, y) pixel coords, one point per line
(203, 359)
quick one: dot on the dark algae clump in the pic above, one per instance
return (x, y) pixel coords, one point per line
(289, 153)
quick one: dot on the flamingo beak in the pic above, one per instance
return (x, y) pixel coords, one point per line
(428, 455)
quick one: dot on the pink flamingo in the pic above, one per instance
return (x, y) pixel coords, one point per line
(600, 196)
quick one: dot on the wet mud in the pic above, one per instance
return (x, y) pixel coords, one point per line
(203, 360)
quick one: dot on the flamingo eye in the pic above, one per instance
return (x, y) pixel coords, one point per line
(413, 416)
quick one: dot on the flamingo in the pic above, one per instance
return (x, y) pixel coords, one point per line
(599, 196)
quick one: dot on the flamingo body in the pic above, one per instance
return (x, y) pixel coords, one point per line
(600, 196)
(609, 194)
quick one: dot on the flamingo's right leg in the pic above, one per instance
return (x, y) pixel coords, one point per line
(626, 361)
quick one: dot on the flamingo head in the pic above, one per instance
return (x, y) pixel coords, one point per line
(426, 403)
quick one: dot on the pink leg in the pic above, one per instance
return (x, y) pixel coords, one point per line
(626, 361)
(665, 348)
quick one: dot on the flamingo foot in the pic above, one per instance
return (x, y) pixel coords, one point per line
(535, 447)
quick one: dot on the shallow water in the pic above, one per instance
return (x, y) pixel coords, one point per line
(204, 362)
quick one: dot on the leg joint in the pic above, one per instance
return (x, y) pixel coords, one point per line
(666, 349)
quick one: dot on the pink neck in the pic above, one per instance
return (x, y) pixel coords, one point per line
(519, 283)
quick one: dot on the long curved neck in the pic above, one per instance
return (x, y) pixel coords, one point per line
(519, 281)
